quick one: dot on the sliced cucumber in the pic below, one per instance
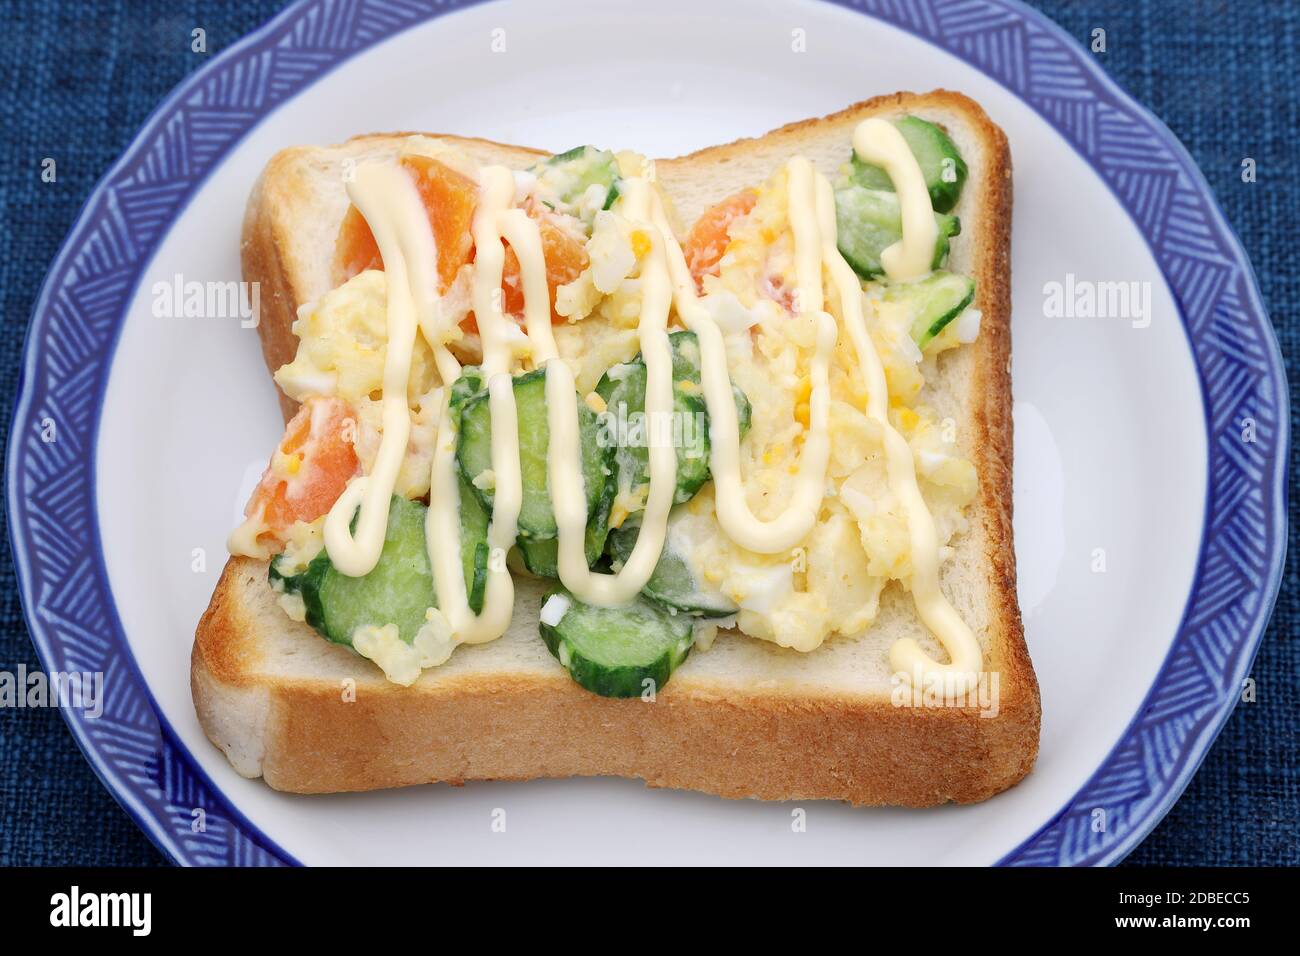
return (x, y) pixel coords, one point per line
(542, 555)
(623, 389)
(474, 519)
(686, 368)
(474, 548)
(474, 453)
(868, 221)
(628, 428)
(941, 165)
(580, 181)
(398, 590)
(935, 301)
(470, 385)
(672, 583)
(744, 411)
(400, 587)
(615, 652)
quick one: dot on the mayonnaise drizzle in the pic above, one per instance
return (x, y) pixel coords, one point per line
(392, 208)
(391, 205)
(564, 455)
(931, 606)
(493, 214)
(792, 525)
(880, 143)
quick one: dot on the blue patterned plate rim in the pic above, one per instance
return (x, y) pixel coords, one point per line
(161, 789)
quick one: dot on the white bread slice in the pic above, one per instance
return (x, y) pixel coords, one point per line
(743, 719)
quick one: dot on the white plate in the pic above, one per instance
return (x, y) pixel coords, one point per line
(1111, 442)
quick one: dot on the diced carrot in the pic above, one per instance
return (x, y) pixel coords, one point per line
(565, 256)
(355, 251)
(310, 469)
(708, 238)
(449, 200)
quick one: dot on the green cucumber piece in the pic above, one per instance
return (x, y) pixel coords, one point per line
(686, 368)
(474, 519)
(400, 587)
(567, 177)
(474, 550)
(469, 386)
(935, 300)
(616, 652)
(744, 411)
(398, 590)
(623, 390)
(474, 452)
(542, 555)
(672, 583)
(868, 221)
(941, 165)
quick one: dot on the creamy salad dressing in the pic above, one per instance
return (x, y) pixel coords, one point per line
(564, 455)
(393, 209)
(526, 240)
(390, 202)
(442, 526)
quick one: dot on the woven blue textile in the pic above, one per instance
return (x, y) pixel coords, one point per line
(79, 77)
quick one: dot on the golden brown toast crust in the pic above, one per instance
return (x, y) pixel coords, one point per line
(760, 743)
(261, 262)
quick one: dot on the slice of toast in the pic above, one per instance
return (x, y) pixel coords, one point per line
(745, 718)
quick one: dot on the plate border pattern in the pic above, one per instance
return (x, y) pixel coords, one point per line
(73, 334)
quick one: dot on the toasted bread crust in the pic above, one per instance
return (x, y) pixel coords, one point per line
(361, 733)
(760, 743)
(261, 261)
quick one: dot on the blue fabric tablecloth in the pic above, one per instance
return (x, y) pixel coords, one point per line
(81, 76)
